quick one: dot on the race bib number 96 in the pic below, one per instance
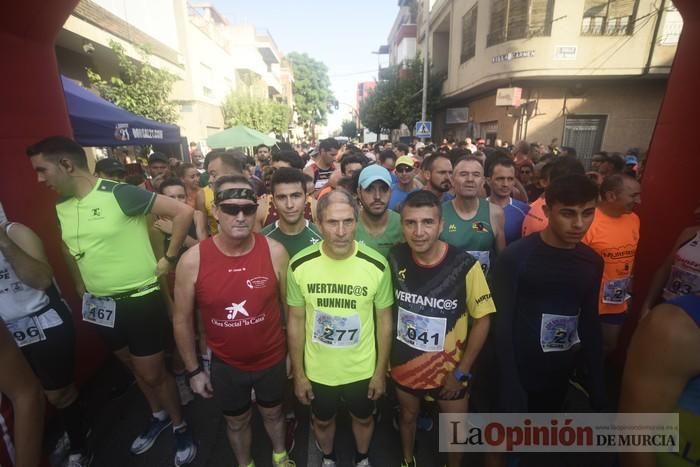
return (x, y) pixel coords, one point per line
(26, 331)
(421, 332)
(336, 331)
(99, 311)
(558, 332)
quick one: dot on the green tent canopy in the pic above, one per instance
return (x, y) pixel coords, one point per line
(239, 136)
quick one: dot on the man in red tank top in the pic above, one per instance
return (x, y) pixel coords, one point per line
(237, 279)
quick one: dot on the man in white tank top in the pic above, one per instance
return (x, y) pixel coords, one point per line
(42, 327)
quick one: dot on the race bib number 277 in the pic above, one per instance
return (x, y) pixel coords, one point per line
(336, 331)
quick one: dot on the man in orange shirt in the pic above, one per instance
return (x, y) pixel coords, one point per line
(614, 235)
(535, 220)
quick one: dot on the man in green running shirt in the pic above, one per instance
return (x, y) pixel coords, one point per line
(472, 224)
(292, 230)
(378, 227)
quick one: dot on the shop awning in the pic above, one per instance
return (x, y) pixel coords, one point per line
(98, 122)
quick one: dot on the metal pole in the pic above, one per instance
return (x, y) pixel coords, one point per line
(426, 29)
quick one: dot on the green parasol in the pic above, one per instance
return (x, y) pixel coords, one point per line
(239, 136)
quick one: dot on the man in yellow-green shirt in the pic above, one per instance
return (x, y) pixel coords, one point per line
(104, 229)
(336, 290)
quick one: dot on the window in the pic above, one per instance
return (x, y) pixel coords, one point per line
(469, 34)
(519, 19)
(207, 91)
(608, 17)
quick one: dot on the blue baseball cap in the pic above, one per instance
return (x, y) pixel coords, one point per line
(631, 159)
(371, 174)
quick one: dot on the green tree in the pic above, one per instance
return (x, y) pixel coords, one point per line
(257, 113)
(313, 97)
(349, 129)
(398, 100)
(139, 88)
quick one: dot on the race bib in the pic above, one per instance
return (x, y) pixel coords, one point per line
(336, 331)
(99, 311)
(615, 291)
(26, 331)
(683, 282)
(484, 258)
(424, 333)
(558, 333)
(320, 183)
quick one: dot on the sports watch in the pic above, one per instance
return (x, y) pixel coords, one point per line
(462, 377)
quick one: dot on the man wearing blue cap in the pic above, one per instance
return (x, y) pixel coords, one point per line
(378, 227)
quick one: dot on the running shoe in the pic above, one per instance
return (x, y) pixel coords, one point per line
(284, 462)
(185, 449)
(409, 464)
(327, 462)
(363, 463)
(147, 439)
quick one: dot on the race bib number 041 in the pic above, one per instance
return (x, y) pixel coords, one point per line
(424, 333)
(26, 331)
(336, 331)
(558, 332)
(99, 311)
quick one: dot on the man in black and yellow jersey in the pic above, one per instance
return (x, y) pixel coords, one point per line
(438, 287)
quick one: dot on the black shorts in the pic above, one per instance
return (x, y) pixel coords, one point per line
(232, 386)
(327, 398)
(434, 393)
(52, 360)
(140, 323)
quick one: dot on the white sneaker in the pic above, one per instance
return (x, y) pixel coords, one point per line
(364, 463)
(327, 463)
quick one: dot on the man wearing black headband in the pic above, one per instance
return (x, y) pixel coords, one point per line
(237, 279)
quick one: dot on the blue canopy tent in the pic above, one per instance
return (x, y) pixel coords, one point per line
(97, 122)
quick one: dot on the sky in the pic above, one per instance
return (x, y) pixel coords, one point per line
(340, 33)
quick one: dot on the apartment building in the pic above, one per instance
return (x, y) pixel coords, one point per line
(590, 73)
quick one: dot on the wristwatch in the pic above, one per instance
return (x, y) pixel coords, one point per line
(462, 377)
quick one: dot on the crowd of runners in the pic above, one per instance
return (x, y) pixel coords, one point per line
(457, 275)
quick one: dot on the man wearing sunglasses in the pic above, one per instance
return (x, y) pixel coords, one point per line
(237, 279)
(378, 227)
(406, 181)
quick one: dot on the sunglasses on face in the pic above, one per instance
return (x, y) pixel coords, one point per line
(404, 169)
(234, 209)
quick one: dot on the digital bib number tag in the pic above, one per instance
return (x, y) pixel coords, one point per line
(336, 331)
(424, 333)
(615, 291)
(99, 311)
(558, 332)
(682, 282)
(26, 331)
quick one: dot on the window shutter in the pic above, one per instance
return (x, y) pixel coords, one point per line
(595, 8)
(541, 17)
(497, 29)
(517, 19)
(621, 8)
